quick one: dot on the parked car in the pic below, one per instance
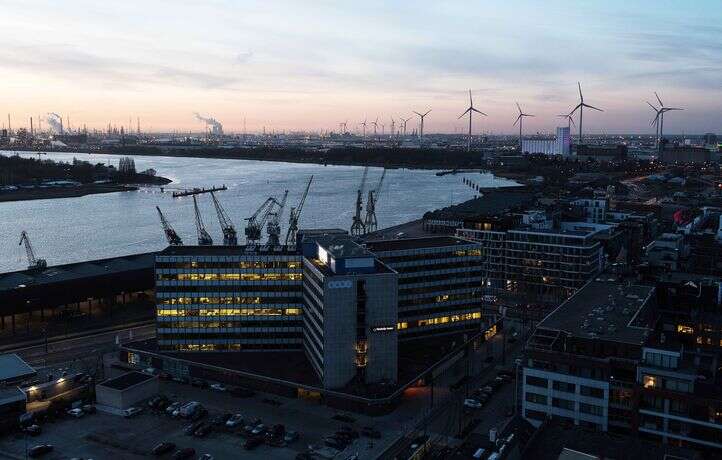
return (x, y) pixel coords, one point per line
(259, 429)
(32, 430)
(472, 404)
(252, 443)
(218, 387)
(291, 436)
(199, 414)
(132, 412)
(163, 448)
(173, 407)
(234, 421)
(182, 454)
(39, 450)
(77, 412)
(187, 410)
(190, 429)
(202, 430)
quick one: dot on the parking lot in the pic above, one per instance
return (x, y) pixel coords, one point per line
(104, 436)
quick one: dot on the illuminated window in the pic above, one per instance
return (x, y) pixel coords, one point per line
(405, 325)
(685, 329)
(651, 381)
(293, 311)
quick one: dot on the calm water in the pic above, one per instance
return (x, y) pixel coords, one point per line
(97, 226)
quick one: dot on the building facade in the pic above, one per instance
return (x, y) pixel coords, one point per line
(218, 298)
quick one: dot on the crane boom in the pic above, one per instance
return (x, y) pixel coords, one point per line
(358, 227)
(294, 216)
(371, 223)
(253, 229)
(33, 262)
(170, 233)
(230, 237)
(274, 225)
(204, 239)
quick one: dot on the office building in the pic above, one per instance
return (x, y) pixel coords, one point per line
(222, 298)
(439, 281)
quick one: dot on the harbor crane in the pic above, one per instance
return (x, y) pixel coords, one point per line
(230, 237)
(204, 238)
(33, 262)
(274, 223)
(258, 220)
(357, 226)
(170, 233)
(295, 214)
(371, 224)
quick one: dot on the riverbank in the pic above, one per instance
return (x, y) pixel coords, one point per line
(63, 192)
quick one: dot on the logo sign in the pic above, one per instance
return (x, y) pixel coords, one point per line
(340, 284)
(384, 328)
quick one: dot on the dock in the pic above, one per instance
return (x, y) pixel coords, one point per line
(198, 191)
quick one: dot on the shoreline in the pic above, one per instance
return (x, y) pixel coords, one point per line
(53, 193)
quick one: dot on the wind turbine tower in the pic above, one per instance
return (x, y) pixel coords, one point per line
(470, 111)
(520, 120)
(580, 107)
(421, 128)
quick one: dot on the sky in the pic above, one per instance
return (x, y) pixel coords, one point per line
(292, 65)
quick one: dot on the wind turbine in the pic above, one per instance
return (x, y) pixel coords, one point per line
(393, 126)
(520, 120)
(421, 130)
(405, 120)
(581, 106)
(342, 126)
(470, 111)
(376, 124)
(364, 125)
(660, 115)
(655, 123)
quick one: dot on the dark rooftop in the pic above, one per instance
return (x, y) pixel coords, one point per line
(68, 272)
(415, 243)
(492, 202)
(12, 367)
(342, 246)
(226, 250)
(604, 308)
(126, 381)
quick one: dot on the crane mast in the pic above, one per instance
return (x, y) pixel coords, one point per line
(204, 239)
(371, 224)
(254, 226)
(33, 263)
(357, 226)
(170, 233)
(274, 225)
(295, 214)
(230, 237)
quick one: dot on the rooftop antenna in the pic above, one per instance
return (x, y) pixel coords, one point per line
(421, 128)
(520, 120)
(470, 111)
(580, 107)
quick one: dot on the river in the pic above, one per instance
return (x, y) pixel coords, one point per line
(66, 230)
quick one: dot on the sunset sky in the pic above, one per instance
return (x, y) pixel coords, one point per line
(310, 65)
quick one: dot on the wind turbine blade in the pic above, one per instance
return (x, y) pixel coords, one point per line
(653, 107)
(517, 120)
(580, 91)
(417, 113)
(517, 106)
(478, 111)
(471, 102)
(571, 120)
(427, 112)
(574, 109)
(527, 115)
(592, 107)
(672, 108)
(660, 100)
(465, 112)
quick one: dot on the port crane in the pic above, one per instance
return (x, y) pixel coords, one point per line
(170, 233)
(295, 214)
(258, 220)
(33, 262)
(230, 236)
(204, 238)
(371, 224)
(357, 226)
(274, 225)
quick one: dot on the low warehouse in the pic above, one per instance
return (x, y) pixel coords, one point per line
(119, 393)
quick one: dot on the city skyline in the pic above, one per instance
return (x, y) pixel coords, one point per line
(285, 67)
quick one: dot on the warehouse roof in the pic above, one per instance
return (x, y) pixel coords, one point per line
(491, 203)
(13, 368)
(416, 243)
